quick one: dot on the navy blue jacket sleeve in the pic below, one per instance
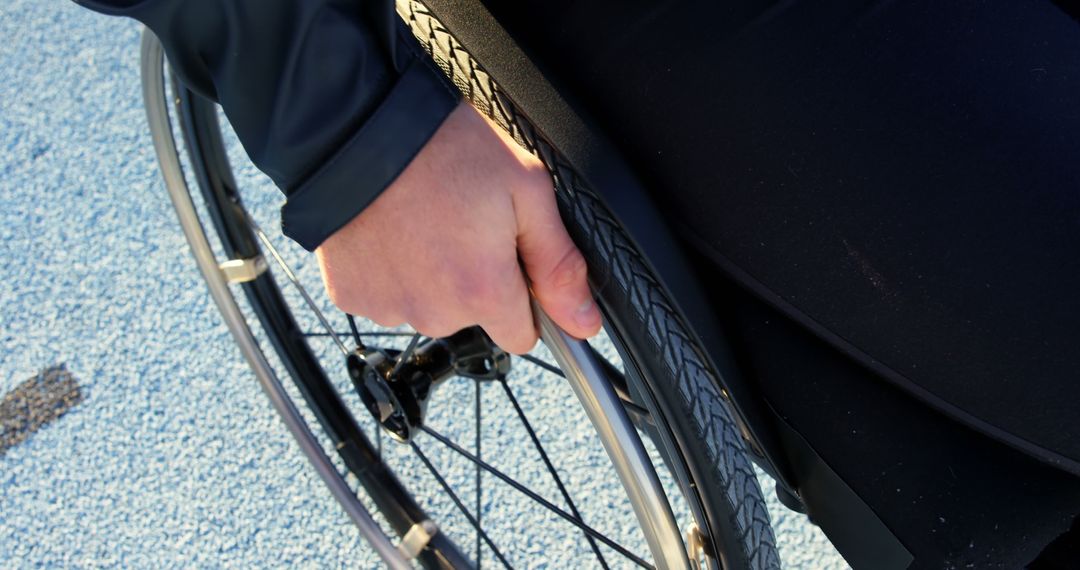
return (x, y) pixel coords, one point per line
(331, 98)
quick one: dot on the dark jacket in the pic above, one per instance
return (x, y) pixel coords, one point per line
(331, 98)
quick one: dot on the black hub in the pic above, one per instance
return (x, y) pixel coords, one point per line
(395, 386)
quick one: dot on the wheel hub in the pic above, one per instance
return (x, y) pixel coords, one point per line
(395, 387)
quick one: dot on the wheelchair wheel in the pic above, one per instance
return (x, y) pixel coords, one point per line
(469, 457)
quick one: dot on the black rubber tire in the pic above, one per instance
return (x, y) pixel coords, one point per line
(681, 383)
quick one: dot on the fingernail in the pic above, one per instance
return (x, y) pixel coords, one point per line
(587, 316)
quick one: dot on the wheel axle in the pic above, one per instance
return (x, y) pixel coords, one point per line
(395, 386)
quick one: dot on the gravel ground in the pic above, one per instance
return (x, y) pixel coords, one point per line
(173, 457)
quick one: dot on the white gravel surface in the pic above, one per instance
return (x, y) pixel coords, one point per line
(174, 458)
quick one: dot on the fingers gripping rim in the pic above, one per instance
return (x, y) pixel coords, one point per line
(622, 278)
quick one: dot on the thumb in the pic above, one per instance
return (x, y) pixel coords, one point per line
(554, 265)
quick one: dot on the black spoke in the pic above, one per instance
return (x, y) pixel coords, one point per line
(460, 505)
(542, 364)
(479, 474)
(550, 468)
(535, 497)
(378, 439)
(355, 332)
(631, 408)
(404, 356)
(360, 333)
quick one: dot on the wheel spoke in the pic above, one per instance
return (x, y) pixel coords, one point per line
(361, 333)
(537, 498)
(543, 364)
(404, 356)
(479, 473)
(632, 408)
(550, 467)
(461, 506)
(296, 283)
(355, 332)
(378, 439)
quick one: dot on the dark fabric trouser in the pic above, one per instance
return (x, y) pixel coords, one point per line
(901, 180)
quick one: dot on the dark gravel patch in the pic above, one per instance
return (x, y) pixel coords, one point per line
(36, 402)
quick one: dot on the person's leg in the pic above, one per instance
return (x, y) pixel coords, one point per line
(901, 178)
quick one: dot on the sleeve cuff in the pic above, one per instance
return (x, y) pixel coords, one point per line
(375, 155)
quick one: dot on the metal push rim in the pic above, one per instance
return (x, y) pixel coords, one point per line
(602, 405)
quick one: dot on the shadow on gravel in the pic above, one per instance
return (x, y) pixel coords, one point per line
(36, 402)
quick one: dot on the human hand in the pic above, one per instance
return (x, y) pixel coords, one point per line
(440, 247)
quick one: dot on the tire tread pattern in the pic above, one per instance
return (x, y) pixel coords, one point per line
(614, 262)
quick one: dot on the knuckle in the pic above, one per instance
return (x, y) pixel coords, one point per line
(387, 320)
(385, 312)
(525, 344)
(539, 181)
(423, 325)
(537, 173)
(569, 270)
(475, 291)
(352, 296)
(534, 177)
(514, 341)
(339, 297)
(433, 327)
(352, 304)
(382, 315)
